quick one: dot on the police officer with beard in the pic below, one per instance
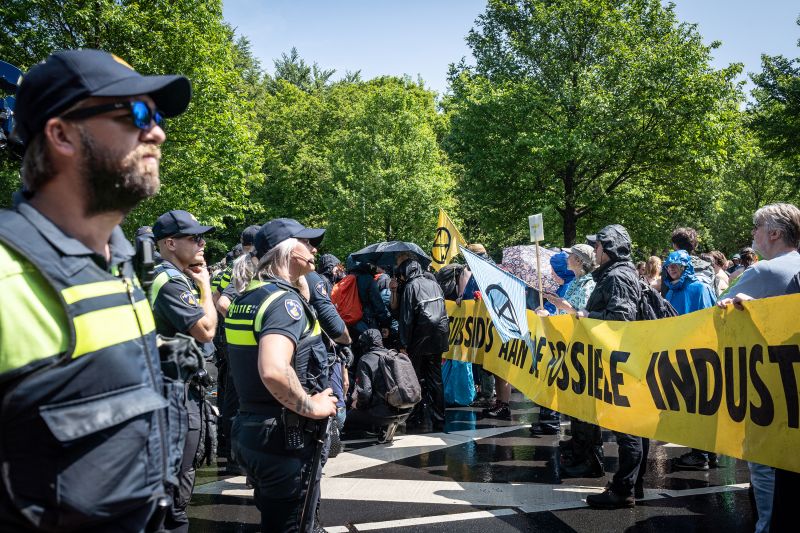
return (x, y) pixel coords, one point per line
(83, 345)
(280, 368)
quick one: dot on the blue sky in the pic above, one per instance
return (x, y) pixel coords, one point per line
(423, 37)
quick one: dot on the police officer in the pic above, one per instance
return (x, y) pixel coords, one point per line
(78, 341)
(182, 303)
(227, 399)
(279, 366)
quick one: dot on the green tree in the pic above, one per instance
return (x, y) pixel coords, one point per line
(775, 114)
(571, 104)
(210, 161)
(359, 158)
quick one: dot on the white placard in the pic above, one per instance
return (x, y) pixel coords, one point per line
(537, 227)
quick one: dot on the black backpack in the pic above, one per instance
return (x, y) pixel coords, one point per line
(402, 386)
(447, 278)
(652, 305)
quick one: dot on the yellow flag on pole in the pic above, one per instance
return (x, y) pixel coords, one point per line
(445, 245)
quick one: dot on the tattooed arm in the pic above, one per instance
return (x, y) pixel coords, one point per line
(276, 371)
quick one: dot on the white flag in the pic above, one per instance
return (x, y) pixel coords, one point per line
(504, 297)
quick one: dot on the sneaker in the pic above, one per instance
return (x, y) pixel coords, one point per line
(500, 411)
(482, 402)
(609, 499)
(541, 429)
(386, 434)
(691, 461)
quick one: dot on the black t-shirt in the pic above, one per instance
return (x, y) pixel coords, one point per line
(176, 307)
(286, 315)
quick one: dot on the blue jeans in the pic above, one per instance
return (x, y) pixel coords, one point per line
(762, 479)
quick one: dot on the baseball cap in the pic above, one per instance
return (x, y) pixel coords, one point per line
(178, 222)
(69, 76)
(278, 230)
(249, 235)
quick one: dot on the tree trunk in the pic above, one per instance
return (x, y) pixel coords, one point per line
(570, 213)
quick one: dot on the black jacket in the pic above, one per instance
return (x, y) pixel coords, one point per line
(616, 295)
(375, 311)
(370, 389)
(424, 326)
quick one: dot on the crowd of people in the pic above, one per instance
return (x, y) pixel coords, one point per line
(104, 383)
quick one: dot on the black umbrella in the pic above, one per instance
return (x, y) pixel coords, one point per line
(384, 253)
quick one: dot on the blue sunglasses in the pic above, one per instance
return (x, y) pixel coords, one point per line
(141, 114)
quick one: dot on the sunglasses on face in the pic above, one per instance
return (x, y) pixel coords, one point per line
(140, 113)
(196, 238)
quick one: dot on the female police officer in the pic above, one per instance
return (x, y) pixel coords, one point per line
(279, 367)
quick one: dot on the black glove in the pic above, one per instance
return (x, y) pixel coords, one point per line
(347, 355)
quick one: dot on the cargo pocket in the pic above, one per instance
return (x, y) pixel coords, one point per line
(101, 461)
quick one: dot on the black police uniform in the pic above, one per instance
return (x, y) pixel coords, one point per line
(176, 308)
(227, 397)
(258, 436)
(84, 439)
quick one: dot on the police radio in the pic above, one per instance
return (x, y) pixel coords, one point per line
(144, 262)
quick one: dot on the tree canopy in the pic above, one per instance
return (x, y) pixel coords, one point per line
(571, 104)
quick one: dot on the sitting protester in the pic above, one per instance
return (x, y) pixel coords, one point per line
(370, 407)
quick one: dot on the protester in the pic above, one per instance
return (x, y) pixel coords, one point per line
(424, 334)
(734, 264)
(652, 272)
(369, 404)
(718, 262)
(375, 313)
(467, 289)
(581, 262)
(615, 297)
(747, 258)
(562, 275)
(787, 483)
(686, 239)
(687, 295)
(776, 237)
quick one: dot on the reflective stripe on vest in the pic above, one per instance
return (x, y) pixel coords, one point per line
(247, 337)
(104, 315)
(163, 277)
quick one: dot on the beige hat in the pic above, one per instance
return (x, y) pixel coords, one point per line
(476, 248)
(585, 253)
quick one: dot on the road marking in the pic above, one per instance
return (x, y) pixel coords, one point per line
(438, 519)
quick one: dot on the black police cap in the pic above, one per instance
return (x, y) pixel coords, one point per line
(69, 76)
(178, 222)
(278, 230)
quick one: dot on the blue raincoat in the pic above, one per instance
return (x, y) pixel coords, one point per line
(686, 294)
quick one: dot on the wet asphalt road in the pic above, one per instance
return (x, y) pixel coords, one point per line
(488, 475)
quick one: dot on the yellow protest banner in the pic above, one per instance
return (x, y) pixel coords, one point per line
(445, 244)
(716, 380)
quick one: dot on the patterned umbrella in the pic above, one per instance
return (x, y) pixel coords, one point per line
(521, 261)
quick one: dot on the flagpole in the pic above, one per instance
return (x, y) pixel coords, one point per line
(539, 275)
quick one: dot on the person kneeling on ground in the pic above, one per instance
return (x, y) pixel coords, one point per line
(370, 408)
